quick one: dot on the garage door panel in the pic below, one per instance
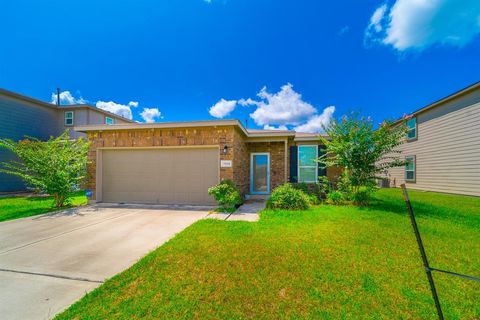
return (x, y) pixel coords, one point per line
(163, 176)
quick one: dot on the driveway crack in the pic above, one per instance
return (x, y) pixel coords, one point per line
(51, 275)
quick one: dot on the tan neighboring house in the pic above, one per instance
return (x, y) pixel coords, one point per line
(176, 163)
(22, 116)
(442, 147)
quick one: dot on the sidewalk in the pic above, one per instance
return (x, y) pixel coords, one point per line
(247, 212)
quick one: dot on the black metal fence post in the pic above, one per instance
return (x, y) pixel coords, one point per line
(428, 270)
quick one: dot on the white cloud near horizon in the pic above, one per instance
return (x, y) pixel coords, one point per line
(285, 107)
(123, 110)
(268, 127)
(222, 108)
(67, 98)
(419, 24)
(279, 111)
(316, 123)
(117, 108)
(150, 114)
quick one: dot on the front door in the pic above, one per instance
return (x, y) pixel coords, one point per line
(260, 173)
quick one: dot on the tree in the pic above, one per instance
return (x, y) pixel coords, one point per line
(55, 167)
(362, 152)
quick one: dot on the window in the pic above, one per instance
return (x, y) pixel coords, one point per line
(109, 120)
(307, 164)
(410, 168)
(412, 128)
(69, 118)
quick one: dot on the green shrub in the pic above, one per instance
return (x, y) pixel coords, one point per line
(324, 185)
(302, 186)
(226, 194)
(361, 197)
(312, 190)
(287, 197)
(314, 199)
(335, 197)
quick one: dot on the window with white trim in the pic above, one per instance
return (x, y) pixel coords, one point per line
(307, 164)
(410, 168)
(69, 118)
(109, 120)
(412, 128)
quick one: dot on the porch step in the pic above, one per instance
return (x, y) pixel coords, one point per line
(256, 196)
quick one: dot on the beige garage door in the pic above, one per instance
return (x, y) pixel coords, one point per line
(159, 176)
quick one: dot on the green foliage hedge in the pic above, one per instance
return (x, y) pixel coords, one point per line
(226, 194)
(288, 197)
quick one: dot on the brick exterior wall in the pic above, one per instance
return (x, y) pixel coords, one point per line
(239, 150)
(138, 138)
(241, 165)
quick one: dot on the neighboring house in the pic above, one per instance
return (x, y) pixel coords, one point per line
(176, 163)
(442, 147)
(24, 116)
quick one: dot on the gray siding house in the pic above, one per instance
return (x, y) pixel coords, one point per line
(22, 116)
(442, 147)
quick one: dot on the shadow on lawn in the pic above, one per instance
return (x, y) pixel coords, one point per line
(424, 210)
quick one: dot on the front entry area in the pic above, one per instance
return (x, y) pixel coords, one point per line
(260, 173)
(159, 175)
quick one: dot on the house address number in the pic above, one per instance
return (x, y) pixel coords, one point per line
(226, 163)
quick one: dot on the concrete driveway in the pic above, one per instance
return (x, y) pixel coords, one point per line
(48, 262)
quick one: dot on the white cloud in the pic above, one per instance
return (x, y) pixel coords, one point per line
(150, 114)
(419, 24)
(279, 111)
(285, 107)
(246, 102)
(66, 98)
(222, 108)
(117, 108)
(123, 110)
(267, 127)
(316, 123)
(377, 17)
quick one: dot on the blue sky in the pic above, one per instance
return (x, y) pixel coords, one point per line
(278, 63)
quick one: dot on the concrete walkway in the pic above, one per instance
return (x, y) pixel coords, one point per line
(247, 212)
(47, 262)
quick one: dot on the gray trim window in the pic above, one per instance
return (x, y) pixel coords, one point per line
(410, 168)
(109, 120)
(69, 118)
(412, 128)
(307, 164)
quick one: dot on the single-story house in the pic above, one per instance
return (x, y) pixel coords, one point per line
(176, 162)
(25, 116)
(442, 146)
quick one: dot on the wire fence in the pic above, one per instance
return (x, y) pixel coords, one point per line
(426, 265)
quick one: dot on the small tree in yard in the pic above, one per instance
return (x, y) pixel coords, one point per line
(55, 167)
(362, 152)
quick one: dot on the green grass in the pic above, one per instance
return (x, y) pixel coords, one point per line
(20, 207)
(325, 263)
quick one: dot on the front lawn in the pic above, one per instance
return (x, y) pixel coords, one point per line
(20, 207)
(325, 263)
